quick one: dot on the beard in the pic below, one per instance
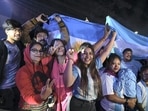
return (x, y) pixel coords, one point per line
(43, 42)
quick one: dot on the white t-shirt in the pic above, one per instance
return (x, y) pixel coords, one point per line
(108, 84)
(77, 91)
(142, 94)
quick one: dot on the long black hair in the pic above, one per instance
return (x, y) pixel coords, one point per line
(93, 71)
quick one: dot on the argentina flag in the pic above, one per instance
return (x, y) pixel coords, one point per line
(129, 39)
(79, 30)
(85, 31)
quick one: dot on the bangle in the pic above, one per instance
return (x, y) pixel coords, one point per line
(34, 21)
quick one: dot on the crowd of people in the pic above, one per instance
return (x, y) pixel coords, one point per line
(37, 74)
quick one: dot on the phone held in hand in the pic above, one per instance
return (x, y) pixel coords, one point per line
(44, 18)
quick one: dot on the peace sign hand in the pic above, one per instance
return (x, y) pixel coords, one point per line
(47, 90)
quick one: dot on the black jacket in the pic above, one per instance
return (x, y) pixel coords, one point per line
(3, 56)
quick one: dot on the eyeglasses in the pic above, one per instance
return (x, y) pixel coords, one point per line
(36, 51)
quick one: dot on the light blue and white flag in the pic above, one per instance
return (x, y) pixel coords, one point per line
(128, 39)
(81, 30)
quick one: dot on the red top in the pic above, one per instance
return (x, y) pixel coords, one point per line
(24, 80)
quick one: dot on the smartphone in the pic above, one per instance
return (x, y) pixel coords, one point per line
(44, 18)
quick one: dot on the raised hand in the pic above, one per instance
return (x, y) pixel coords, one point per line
(47, 89)
(107, 31)
(114, 33)
(57, 18)
(51, 50)
(40, 19)
(70, 54)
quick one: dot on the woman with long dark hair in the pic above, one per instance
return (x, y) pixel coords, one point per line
(84, 78)
(57, 66)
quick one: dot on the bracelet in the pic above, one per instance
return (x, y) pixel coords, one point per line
(34, 21)
(61, 24)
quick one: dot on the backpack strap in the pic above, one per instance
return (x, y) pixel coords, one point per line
(3, 57)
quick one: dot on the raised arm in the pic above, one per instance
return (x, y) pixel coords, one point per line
(108, 47)
(99, 43)
(29, 25)
(68, 74)
(63, 29)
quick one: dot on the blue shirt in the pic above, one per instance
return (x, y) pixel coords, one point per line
(128, 80)
(12, 65)
(133, 65)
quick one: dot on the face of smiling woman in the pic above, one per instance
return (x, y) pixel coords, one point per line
(87, 56)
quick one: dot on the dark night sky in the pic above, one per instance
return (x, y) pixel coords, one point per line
(130, 13)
